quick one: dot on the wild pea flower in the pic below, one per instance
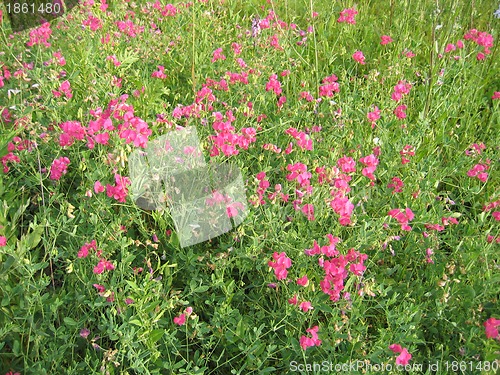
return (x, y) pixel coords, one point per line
(64, 88)
(347, 164)
(274, 84)
(400, 111)
(92, 22)
(404, 356)
(371, 163)
(84, 250)
(3, 241)
(403, 217)
(491, 328)
(306, 306)
(385, 39)
(496, 95)
(160, 73)
(180, 320)
(479, 171)
(280, 265)
(347, 16)
(59, 167)
(359, 57)
(373, 116)
(303, 281)
(402, 88)
(496, 215)
(103, 265)
(396, 184)
(306, 342)
(119, 191)
(407, 150)
(308, 210)
(429, 253)
(40, 35)
(293, 300)
(218, 55)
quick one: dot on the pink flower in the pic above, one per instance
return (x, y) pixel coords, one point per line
(160, 73)
(385, 39)
(218, 55)
(397, 185)
(58, 168)
(293, 300)
(347, 16)
(119, 191)
(180, 320)
(347, 164)
(303, 281)
(496, 215)
(274, 84)
(496, 95)
(103, 265)
(491, 328)
(306, 306)
(98, 187)
(280, 265)
(84, 332)
(371, 163)
(400, 111)
(3, 241)
(84, 250)
(373, 116)
(308, 210)
(306, 342)
(403, 358)
(402, 217)
(359, 57)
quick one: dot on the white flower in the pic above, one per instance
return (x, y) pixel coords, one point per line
(497, 12)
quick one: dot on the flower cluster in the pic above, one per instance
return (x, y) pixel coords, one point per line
(403, 217)
(40, 35)
(59, 167)
(404, 356)
(306, 342)
(118, 191)
(280, 265)
(347, 16)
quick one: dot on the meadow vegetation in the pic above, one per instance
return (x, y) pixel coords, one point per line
(368, 137)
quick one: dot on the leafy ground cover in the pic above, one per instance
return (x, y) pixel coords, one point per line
(368, 135)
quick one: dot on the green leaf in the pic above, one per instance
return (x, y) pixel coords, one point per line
(70, 321)
(155, 335)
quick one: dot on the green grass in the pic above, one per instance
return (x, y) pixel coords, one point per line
(242, 321)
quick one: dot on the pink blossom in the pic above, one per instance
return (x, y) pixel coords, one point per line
(305, 306)
(373, 116)
(385, 39)
(347, 16)
(180, 320)
(491, 328)
(160, 73)
(293, 300)
(359, 57)
(274, 84)
(58, 168)
(496, 95)
(400, 111)
(218, 55)
(306, 342)
(371, 163)
(103, 265)
(119, 191)
(280, 265)
(496, 215)
(303, 281)
(3, 241)
(403, 358)
(84, 250)
(396, 184)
